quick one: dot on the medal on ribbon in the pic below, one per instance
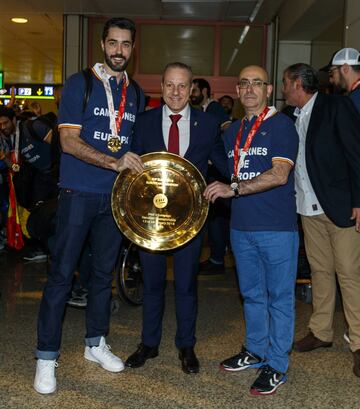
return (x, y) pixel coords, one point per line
(114, 142)
(15, 167)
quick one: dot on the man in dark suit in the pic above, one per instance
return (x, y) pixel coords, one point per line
(327, 182)
(199, 140)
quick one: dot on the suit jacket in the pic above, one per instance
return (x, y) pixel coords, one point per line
(205, 139)
(333, 156)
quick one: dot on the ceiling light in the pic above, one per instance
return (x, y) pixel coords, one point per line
(19, 20)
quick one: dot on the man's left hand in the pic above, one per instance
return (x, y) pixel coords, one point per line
(218, 189)
(356, 216)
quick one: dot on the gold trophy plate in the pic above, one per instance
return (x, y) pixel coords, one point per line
(163, 207)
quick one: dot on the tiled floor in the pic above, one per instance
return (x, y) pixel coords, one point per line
(320, 379)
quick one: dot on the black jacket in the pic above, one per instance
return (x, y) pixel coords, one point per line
(333, 156)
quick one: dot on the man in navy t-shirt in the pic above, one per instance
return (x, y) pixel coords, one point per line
(261, 152)
(95, 138)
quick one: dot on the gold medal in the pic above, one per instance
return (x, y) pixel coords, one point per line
(114, 144)
(15, 167)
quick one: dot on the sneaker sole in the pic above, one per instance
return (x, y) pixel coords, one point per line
(241, 368)
(76, 305)
(89, 357)
(37, 258)
(43, 391)
(255, 392)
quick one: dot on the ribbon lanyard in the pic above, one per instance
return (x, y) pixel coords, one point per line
(115, 119)
(239, 161)
(355, 84)
(17, 142)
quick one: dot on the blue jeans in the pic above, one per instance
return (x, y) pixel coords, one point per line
(80, 216)
(266, 263)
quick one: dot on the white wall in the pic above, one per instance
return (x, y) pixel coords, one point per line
(290, 52)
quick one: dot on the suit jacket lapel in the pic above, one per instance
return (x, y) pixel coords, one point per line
(194, 134)
(158, 132)
(315, 120)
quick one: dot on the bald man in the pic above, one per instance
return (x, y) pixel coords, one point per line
(261, 150)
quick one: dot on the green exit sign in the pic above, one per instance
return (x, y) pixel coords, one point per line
(1, 79)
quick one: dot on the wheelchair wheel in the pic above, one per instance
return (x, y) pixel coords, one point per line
(129, 280)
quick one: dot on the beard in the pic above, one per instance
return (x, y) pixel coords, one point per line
(117, 67)
(196, 100)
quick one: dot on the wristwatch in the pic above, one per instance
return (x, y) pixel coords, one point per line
(235, 188)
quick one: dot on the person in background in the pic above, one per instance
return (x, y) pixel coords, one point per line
(344, 73)
(219, 212)
(35, 107)
(327, 182)
(227, 102)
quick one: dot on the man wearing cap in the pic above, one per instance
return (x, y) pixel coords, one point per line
(344, 73)
(327, 183)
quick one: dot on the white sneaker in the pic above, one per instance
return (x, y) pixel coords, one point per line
(45, 381)
(104, 357)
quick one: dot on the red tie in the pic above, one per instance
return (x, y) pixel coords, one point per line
(173, 143)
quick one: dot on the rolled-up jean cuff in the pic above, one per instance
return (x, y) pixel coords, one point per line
(47, 355)
(93, 342)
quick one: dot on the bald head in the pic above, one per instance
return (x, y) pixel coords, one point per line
(254, 71)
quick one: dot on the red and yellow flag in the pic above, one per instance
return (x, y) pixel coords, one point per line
(13, 227)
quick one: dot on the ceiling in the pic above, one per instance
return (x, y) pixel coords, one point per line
(32, 52)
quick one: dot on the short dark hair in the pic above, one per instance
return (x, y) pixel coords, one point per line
(356, 68)
(119, 22)
(177, 64)
(203, 84)
(6, 111)
(228, 97)
(308, 75)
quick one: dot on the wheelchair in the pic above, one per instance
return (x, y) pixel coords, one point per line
(128, 275)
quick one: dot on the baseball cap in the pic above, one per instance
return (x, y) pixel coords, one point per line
(349, 56)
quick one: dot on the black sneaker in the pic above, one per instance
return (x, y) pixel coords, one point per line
(209, 268)
(243, 360)
(78, 298)
(267, 382)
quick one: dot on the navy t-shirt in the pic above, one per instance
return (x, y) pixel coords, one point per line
(274, 209)
(95, 129)
(35, 150)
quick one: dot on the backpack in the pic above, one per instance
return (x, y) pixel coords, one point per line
(50, 120)
(23, 180)
(88, 76)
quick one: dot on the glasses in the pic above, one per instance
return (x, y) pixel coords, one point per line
(254, 83)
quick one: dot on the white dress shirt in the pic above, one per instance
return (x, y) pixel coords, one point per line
(307, 203)
(183, 125)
